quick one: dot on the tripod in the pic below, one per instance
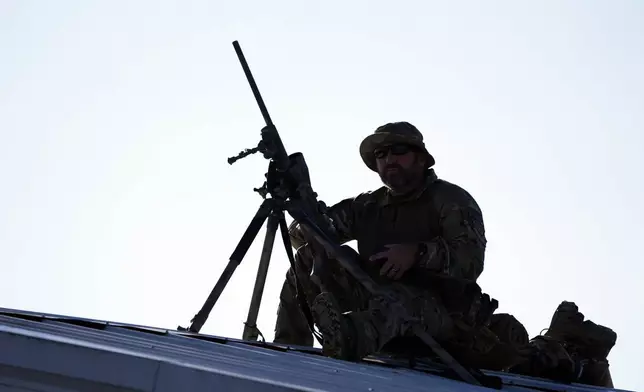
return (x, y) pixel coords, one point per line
(283, 175)
(270, 209)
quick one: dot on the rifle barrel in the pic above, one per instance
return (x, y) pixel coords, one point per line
(253, 85)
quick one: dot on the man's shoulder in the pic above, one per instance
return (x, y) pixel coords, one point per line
(440, 190)
(358, 202)
(372, 196)
(446, 192)
(444, 188)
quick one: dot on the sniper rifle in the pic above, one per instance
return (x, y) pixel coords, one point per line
(289, 185)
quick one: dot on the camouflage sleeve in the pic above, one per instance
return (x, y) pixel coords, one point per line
(460, 249)
(342, 215)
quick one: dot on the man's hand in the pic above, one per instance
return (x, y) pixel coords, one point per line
(398, 259)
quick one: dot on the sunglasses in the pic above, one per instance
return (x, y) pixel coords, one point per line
(396, 149)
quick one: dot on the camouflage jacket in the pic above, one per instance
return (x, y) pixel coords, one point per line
(442, 215)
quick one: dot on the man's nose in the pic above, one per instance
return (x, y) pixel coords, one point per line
(390, 157)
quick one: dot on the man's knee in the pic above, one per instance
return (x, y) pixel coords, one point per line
(509, 330)
(303, 263)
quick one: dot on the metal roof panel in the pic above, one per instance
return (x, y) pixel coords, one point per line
(118, 355)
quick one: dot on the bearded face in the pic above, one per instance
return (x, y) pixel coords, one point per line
(400, 166)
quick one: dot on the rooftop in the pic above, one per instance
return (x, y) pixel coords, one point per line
(45, 352)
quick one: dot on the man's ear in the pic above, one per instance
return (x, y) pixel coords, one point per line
(421, 158)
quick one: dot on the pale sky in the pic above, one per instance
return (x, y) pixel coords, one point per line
(116, 120)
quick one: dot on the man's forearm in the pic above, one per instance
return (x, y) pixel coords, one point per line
(464, 261)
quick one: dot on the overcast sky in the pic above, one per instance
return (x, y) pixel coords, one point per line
(116, 120)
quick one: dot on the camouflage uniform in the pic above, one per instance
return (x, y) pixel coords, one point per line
(447, 300)
(442, 216)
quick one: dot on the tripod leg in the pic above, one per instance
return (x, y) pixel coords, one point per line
(250, 328)
(300, 295)
(238, 254)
